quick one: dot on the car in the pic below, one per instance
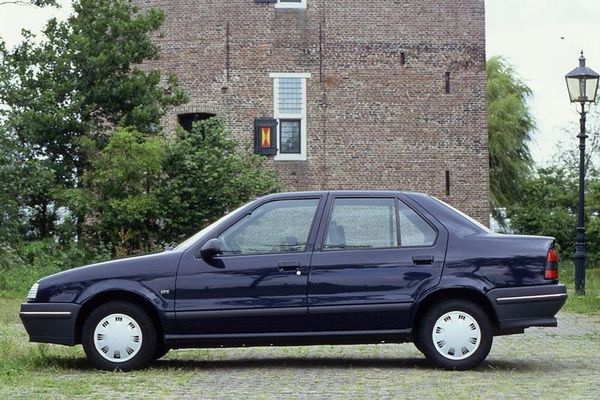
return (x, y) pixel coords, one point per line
(309, 268)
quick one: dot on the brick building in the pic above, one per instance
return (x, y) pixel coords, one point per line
(379, 94)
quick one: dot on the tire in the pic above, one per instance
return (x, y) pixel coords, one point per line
(119, 335)
(161, 351)
(417, 344)
(448, 325)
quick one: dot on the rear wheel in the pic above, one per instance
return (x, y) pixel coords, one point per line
(455, 334)
(119, 335)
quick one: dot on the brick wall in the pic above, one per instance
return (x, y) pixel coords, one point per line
(373, 123)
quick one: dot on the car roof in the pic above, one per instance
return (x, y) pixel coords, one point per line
(339, 193)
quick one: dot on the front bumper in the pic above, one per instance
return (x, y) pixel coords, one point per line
(50, 322)
(523, 307)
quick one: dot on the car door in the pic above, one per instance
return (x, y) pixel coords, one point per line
(374, 255)
(258, 283)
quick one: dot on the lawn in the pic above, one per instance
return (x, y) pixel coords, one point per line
(588, 304)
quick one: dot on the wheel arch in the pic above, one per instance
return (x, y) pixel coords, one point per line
(118, 295)
(462, 293)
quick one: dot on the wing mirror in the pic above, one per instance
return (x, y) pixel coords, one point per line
(210, 249)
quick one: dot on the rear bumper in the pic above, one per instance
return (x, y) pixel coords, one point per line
(50, 322)
(524, 307)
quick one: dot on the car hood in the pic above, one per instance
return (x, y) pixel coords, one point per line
(67, 285)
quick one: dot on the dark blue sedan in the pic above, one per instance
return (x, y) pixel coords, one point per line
(304, 269)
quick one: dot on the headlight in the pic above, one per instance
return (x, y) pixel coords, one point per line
(33, 292)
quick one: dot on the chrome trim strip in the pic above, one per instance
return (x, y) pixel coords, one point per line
(533, 297)
(57, 313)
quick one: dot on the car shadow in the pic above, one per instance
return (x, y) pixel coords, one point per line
(195, 364)
(293, 363)
(339, 363)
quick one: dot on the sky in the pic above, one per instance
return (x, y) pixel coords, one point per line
(541, 39)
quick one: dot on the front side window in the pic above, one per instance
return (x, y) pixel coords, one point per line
(281, 226)
(290, 111)
(362, 223)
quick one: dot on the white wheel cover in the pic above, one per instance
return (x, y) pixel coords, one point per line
(118, 338)
(456, 335)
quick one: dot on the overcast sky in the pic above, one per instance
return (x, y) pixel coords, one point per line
(540, 38)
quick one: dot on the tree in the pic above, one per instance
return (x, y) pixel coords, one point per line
(122, 194)
(207, 175)
(67, 92)
(548, 206)
(510, 129)
(37, 3)
(9, 176)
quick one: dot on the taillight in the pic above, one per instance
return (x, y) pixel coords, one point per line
(551, 270)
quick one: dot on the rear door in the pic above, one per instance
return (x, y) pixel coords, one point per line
(373, 257)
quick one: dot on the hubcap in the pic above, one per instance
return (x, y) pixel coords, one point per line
(118, 338)
(456, 335)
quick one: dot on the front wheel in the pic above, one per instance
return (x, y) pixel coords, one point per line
(119, 335)
(455, 335)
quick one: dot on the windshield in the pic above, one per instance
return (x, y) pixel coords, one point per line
(193, 239)
(465, 216)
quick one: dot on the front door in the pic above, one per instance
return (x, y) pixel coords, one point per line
(259, 282)
(374, 255)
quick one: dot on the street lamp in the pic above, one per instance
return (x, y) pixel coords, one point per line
(582, 84)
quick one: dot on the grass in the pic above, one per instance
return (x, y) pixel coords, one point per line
(588, 304)
(16, 281)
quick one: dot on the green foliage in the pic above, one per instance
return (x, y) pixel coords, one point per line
(588, 304)
(207, 174)
(510, 128)
(37, 3)
(66, 91)
(24, 263)
(123, 182)
(548, 206)
(10, 175)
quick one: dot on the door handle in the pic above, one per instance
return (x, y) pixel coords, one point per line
(291, 266)
(422, 260)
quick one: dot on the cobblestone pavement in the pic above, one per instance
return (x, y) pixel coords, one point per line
(561, 362)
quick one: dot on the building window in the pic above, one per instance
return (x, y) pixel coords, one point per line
(290, 111)
(186, 121)
(290, 141)
(291, 4)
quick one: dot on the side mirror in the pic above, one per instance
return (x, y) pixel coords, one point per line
(210, 249)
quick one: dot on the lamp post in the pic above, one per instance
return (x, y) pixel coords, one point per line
(582, 84)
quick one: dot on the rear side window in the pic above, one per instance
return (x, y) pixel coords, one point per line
(276, 227)
(365, 223)
(414, 230)
(362, 223)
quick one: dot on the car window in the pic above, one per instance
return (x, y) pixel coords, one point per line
(414, 230)
(279, 226)
(362, 223)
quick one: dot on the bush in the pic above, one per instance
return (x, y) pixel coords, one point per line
(23, 265)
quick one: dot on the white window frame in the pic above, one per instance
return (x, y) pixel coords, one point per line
(300, 5)
(301, 116)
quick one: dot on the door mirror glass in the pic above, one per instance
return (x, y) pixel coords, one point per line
(210, 249)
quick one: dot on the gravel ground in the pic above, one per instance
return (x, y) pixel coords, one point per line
(561, 362)
(554, 363)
